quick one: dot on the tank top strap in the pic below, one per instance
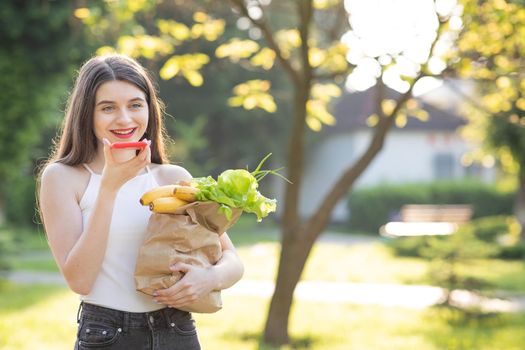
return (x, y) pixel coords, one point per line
(151, 177)
(88, 168)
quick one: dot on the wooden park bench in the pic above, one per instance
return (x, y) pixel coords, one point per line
(428, 220)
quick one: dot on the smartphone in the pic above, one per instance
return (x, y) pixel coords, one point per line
(135, 145)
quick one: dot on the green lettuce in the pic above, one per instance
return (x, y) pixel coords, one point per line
(237, 188)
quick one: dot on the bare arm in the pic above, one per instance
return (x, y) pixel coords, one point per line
(229, 269)
(79, 251)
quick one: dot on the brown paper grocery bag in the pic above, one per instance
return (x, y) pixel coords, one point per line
(190, 235)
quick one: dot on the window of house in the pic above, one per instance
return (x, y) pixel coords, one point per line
(474, 171)
(443, 166)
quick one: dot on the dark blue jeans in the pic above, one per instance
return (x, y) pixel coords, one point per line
(103, 328)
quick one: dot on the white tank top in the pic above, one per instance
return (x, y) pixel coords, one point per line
(115, 286)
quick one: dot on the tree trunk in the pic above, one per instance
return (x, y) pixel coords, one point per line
(294, 253)
(291, 260)
(294, 250)
(519, 204)
(296, 246)
(298, 240)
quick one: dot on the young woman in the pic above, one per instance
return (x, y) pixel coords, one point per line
(89, 201)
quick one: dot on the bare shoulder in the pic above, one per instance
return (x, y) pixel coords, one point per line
(63, 172)
(57, 172)
(167, 174)
(66, 178)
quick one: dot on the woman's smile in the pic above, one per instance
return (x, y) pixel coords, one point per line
(123, 133)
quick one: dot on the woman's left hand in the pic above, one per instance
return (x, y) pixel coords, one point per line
(196, 282)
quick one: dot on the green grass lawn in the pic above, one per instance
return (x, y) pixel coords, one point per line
(375, 263)
(44, 318)
(258, 247)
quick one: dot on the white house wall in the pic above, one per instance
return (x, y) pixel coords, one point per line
(323, 167)
(406, 157)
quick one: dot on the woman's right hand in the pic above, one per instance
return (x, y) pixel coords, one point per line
(115, 174)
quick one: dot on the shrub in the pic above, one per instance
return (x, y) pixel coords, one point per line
(447, 253)
(513, 252)
(408, 246)
(501, 232)
(490, 228)
(371, 208)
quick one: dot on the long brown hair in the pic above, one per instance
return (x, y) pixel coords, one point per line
(77, 143)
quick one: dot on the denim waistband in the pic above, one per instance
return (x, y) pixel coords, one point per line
(163, 318)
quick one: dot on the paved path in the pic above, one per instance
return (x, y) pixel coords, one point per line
(34, 277)
(409, 296)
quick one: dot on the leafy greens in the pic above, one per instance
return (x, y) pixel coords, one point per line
(237, 188)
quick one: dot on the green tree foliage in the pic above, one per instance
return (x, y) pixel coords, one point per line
(496, 68)
(39, 43)
(496, 65)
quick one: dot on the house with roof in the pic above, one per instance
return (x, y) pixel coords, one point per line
(421, 151)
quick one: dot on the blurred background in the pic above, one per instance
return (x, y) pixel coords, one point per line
(400, 124)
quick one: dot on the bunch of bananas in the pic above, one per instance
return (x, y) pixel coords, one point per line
(167, 199)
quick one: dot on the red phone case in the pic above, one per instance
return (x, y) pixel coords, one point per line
(136, 145)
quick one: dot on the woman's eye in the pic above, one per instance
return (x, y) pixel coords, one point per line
(107, 109)
(136, 105)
